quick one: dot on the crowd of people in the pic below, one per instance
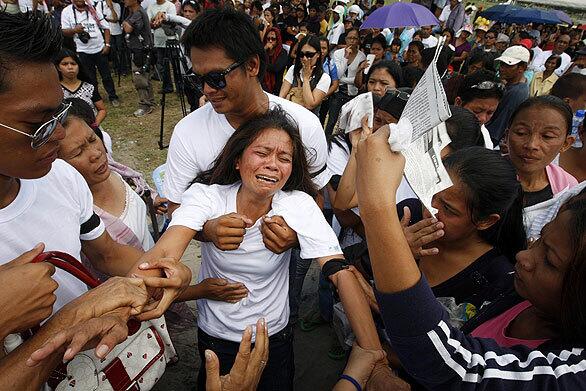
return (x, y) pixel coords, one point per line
(484, 294)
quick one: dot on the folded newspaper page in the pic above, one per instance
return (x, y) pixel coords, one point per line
(427, 109)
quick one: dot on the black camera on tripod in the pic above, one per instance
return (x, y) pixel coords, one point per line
(84, 36)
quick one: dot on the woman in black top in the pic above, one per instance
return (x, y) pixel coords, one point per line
(480, 228)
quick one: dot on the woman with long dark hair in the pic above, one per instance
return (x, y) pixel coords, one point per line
(306, 82)
(262, 171)
(276, 61)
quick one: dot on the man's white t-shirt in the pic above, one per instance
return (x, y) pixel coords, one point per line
(264, 273)
(429, 42)
(539, 61)
(200, 136)
(323, 84)
(71, 16)
(160, 38)
(52, 210)
(115, 28)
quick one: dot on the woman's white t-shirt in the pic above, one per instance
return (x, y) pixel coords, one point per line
(323, 84)
(265, 274)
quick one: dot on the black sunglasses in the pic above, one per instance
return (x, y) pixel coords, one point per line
(488, 85)
(404, 96)
(214, 79)
(309, 55)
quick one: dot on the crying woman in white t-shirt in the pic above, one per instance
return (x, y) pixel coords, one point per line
(262, 171)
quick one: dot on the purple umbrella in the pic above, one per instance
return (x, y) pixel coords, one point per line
(563, 17)
(400, 15)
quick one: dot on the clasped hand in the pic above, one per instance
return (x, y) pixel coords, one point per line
(227, 232)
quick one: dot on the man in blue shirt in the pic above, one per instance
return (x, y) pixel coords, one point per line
(512, 66)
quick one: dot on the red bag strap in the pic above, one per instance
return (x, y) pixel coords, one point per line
(69, 264)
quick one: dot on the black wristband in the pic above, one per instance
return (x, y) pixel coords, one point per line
(333, 266)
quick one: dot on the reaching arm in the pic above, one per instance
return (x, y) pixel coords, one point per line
(355, 305)
(101, 107)
(110, 257)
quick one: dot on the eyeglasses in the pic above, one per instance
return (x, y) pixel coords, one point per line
(308, 55)
(46, 130)
(488, 85)
(271, 38)
(404, 96)
(490, 37)
(214, 79)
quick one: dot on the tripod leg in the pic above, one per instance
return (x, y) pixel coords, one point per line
(162, 128)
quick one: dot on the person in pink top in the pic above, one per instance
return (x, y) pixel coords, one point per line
(539, 130)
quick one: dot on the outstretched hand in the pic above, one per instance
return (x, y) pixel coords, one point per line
(108, 330)
(248, 366)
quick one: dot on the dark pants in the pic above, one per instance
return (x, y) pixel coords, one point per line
(337, 100)
(278, 373)
(99, 61)
(119, 54)
(164, 68)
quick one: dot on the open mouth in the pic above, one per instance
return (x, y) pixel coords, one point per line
(267, 179)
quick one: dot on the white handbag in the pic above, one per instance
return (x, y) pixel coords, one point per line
(135, 364)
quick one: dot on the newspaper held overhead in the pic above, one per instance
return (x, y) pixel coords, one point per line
(427, 109)
(353, 112)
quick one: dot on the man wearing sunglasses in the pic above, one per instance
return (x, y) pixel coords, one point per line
(43, 199)
(228, 72)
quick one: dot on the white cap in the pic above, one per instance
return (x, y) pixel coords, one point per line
(340, 10)
(514, 55)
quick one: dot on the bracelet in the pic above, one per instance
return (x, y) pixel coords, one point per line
(351, 380)
(108, 45)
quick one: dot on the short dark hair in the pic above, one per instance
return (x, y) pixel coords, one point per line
(464, 129)
(392, 68)
(229, 30)
(26, 38)
(396, 41)
(223, 171)
(81, 75)
(558, 60)
(570, 85)
(419, 45)
(467, 93)
(380, 39)
(82, 111)
(550, 101)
